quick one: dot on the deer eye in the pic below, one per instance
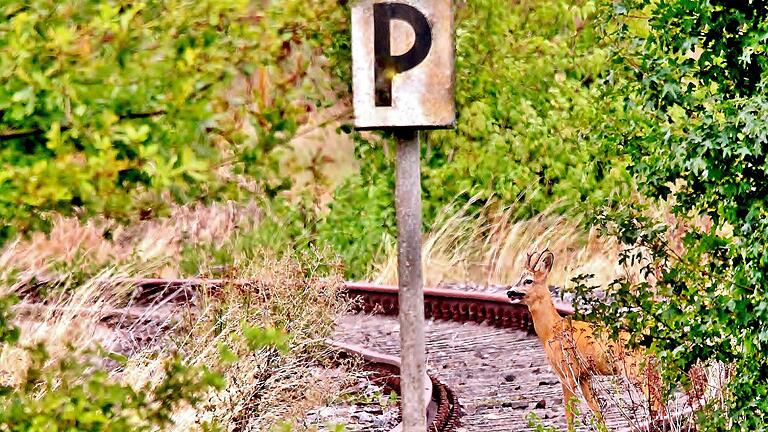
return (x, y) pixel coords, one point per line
(527, 281)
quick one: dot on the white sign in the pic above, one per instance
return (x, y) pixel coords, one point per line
(402, 64)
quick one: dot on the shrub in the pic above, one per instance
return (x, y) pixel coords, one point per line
(76, 395)
(528, 86)
(104, 101)
(694, 123)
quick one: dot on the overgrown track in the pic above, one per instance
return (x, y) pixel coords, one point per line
(443, 304)
(443, 411)
(149, 294)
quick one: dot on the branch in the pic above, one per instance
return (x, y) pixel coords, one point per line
(143, 115)
(10, 134)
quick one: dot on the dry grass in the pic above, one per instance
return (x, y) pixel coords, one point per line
(491, 250)
(154, 243)
(86, 310)
(319, 159)
(265, 387)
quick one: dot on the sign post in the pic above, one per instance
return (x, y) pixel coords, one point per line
(403, 57)
(410, 281)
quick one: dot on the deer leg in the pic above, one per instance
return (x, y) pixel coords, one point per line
(589, 396)
(569, 399)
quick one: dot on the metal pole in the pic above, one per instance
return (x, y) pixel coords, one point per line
(410, 283)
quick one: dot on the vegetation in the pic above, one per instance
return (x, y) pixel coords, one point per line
(694, 129)
(650, 115)
(239, 358)
(114, 108)
(117, 110)
(57, 397)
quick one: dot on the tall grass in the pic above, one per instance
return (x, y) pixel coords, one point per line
(89, 305)
(489, 247)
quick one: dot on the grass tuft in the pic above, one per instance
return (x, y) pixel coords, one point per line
(489, 247)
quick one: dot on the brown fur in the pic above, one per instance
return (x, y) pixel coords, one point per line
(574, 351)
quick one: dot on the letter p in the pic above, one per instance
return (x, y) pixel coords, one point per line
(387, 65)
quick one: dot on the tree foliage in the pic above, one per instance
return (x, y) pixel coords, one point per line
(694, 126)
(528, 81)
(104, 101)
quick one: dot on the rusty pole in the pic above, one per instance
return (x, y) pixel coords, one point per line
(410, 283)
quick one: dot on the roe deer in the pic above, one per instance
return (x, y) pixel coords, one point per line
(575, 353)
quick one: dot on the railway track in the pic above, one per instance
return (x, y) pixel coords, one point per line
(450, 305)
(455, 306)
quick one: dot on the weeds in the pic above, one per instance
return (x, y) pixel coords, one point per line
(248, 354)
(489, 246)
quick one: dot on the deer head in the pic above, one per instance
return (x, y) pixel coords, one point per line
(532, 286)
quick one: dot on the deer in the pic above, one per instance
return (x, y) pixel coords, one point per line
(574, 351)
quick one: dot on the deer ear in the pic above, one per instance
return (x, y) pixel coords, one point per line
(545, 262)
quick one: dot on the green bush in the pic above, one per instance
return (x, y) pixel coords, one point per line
(694, 126)
(528, 94)
(102, 102)
(528, 80)
(77, 395)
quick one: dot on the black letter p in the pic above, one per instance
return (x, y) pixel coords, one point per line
(388, 65)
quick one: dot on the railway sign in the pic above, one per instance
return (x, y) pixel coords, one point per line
(402, 79)
(402, 64)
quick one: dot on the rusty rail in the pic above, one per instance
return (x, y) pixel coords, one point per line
(441, 404)
(452, 305)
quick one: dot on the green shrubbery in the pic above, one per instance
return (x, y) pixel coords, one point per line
(694, 126)
(529, 77)
(76, 395)
(114, 108)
